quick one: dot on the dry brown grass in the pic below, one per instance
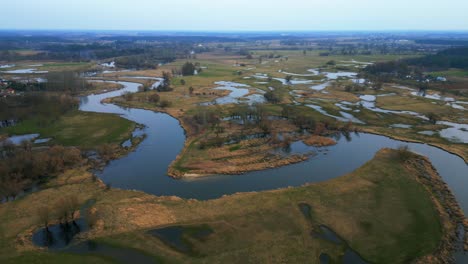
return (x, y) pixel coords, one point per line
(319, 141)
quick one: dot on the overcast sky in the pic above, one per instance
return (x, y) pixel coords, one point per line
(229, 15)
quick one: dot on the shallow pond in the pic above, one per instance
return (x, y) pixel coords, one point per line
(350, 256)
(176, 236)
(59, 235)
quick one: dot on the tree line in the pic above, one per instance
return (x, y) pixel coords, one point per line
(21, 167)
(41, 108)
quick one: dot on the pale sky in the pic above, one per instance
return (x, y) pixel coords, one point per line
(232, 15)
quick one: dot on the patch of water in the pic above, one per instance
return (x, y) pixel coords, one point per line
(239, 93)
(456, 132)
(324, 258)
(300, 74)
(306, 210)
(401, 126)
(358, 62)
(345, 117)
(5, 66)
(17, 139)
(433, 97)
(336, 75)
(26, 71)
(41, 140)
(293, 81)
(343, 107)
(320, 87)
(172, 236)
(427, 132)
(368, 102)
(59, 235)
(108, 64)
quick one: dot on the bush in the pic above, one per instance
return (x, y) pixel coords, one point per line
(272, 97)
(128, 96)
(404, 153)
(154, 98)
(165, 103)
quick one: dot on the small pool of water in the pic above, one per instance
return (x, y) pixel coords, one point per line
(320, 87)
(41, 140)
(176, 236)
(172, 236)
(17, 139)
(306, 210)
(324, 258)
(6, 66)
(26, 71)
(59, 235)
(345, 117)
(350, 256)
(401, 126)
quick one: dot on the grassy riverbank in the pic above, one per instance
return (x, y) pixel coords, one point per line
(76, 128)
(383, 210)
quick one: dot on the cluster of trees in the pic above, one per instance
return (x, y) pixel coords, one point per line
(144, 54)
(300, 118)
(255, 117)
(129, 51)
(21, 167)
(42, 108)
(165, 85)
(188, 69)
(137, 62)
(445, 59)
(391, 69)
(273, 96)
(249, 116)
(414, 67)
(65, 81)
(366, 46)
(65, 210)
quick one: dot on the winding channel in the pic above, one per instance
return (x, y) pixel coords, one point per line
(145, 168)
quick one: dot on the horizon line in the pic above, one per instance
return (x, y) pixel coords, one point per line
(239, 30)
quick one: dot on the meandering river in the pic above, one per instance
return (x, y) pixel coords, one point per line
(145, 168)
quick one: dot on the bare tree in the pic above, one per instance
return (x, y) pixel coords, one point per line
(44, 217)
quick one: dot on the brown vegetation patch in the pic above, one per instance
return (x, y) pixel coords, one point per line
(319, 141)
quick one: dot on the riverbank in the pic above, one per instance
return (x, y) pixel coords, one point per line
(450, 213)
(75, 128)
(383, 188)
(457, 149)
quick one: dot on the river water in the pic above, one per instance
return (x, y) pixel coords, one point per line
(145, 168)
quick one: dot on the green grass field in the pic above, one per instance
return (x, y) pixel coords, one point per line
(76, 128)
